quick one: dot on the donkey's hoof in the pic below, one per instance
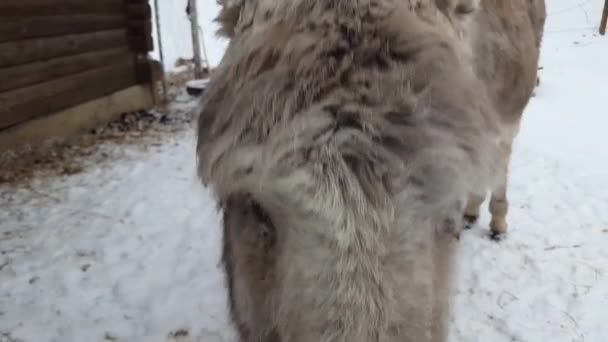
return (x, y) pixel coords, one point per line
(470, 220)
(497, 236)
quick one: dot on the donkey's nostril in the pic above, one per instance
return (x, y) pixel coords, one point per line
(466, 7)
(260, 214)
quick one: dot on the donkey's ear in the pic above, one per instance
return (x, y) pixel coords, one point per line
(230, 11)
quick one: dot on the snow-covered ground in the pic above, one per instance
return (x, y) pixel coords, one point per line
(129, 251)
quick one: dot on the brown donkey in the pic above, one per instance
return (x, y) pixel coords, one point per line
(342, 139)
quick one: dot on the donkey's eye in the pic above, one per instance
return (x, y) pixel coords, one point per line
(464, 9)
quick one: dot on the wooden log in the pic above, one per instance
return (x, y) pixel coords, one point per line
(28, 74)
(604, 21)
(76, 120)
(23, 104)
(24, 8)
(141, 44)
(12, 30)
(16, 53)
(143, 72)
(139, 27)
(139, 11)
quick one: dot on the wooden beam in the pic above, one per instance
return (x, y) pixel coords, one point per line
(41, 99)
(24, 8)
(12, 30)
(604, 21)
(39, 49)
(38, 72)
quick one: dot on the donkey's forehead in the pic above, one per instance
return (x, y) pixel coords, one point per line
(239, 16)
(244, 12)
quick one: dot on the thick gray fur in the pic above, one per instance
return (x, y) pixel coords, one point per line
(342, 139)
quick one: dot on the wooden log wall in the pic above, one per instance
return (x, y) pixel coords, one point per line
(56, 54)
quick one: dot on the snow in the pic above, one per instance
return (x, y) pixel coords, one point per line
(126, 251)
(129, 250)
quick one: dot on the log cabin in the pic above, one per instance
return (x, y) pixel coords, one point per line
(67, 66)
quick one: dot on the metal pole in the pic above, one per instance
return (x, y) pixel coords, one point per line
(196, 48)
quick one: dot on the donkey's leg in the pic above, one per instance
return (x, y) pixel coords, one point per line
(249, 257)
(499, 204)
(444, 259)
(471, 212)
(445, 269)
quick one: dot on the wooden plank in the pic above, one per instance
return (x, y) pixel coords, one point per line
(40, 49)
(23, 8)
(28, 74)
(33, 27)
(27, 103)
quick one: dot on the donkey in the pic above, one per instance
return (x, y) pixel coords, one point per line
(342, 139)
(505, 37)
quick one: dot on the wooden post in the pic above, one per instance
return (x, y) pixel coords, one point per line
(196, 48)
(160, 51)
(207, 64)
(604, 19)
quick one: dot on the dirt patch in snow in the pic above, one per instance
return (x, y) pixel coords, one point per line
(64, 157)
